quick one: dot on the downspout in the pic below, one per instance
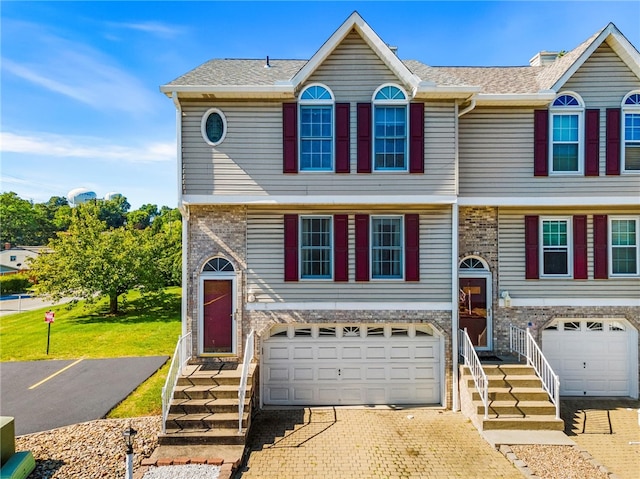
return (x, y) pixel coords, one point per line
(184, 211)
(471, 106)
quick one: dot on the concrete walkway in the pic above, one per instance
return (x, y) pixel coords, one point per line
(370, 443)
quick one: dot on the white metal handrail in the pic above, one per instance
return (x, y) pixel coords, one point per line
(522, 343)
(471, 360)
(246, 362)
(180, 358)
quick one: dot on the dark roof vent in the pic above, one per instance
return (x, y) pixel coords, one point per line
(267, 64)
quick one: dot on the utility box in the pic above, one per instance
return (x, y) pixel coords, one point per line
(7, 439)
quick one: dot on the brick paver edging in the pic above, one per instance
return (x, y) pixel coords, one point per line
(526, 472)
(226, 469)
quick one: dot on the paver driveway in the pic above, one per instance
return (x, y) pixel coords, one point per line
(348, 443)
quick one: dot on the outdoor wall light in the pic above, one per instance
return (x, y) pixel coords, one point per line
(128, 436)
(251, 297)
(506, 298)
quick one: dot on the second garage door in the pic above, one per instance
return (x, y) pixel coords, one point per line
(593, 357)
(351, 364)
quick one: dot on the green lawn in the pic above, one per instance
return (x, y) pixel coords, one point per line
(145, 327)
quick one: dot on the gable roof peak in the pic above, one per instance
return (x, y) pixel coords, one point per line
(371, 38)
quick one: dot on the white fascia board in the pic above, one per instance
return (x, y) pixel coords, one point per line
(572, 302)
(625, 50)
(317, 200)
(350, 306)
(275, 91)
(549, 201)
(542, 98)
(371, 38)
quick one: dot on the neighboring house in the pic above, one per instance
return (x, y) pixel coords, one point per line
(356, 209)
(14, 259)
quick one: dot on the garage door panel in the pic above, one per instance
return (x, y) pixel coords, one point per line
(303, 374)
(352, 370)
(592, 360)
(330, 352)
(352, 352)
(400, 352)
(303, 352)
(375, 373)
(278, 374)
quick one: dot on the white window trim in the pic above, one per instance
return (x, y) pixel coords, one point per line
(375, 103)
(562, 111)
(203, 126)
(331, 247)
(624, 110)
(332, 103)
(402, 248)
(610, 220)
(569, 220)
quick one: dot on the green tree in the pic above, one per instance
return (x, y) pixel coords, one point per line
(21, 222)
(90, 259)
(113, 212)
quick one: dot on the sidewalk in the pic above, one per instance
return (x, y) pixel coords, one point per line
(27, 303)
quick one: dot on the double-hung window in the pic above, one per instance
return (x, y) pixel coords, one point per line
(566, 148)
(555, 242)
(390, 129)
(316, 129)
(631, 118)
(386, 247)
(624, 246)
(315, 247)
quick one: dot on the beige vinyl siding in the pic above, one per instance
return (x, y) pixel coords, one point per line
(265, 262)
(511, 245)
(249, 160)
(496, 144)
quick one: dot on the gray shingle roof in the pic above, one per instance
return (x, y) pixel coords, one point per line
(491, 80)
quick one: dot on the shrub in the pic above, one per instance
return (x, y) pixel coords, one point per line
(14, 283)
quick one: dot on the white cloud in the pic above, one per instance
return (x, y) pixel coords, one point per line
(156, 28)
(78, 71)
(85, 147)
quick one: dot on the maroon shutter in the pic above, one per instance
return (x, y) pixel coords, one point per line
(580, 247)
(613, 141)
(600, 261)
(541, 143)
(592, 144)
(416, 135)
(291, 247)
(289, 137)
(412, 247)
(532, 263)
(340, 248)
(362, 247)
(364, 137)
(343, 156)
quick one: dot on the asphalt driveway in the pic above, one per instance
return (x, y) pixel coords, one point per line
(43, 395)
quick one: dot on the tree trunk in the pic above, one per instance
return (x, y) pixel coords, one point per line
(113, 303)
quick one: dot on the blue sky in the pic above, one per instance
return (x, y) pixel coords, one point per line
(80, 100)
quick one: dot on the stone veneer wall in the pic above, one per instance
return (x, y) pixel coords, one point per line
(215, 231)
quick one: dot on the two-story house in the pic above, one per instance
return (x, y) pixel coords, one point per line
(355, 210)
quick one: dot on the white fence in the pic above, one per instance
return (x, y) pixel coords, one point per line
(180, 358)
(468, 352)
(522, 343)
(246, 363)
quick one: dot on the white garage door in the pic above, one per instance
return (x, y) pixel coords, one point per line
(315, 365)
(593, 357)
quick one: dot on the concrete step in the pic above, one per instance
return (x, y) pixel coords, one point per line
(518, 408)
(536, 423)
(209, 392)
(527, 381)
(178, 437)
(211, 406)
(206, 421)
(510, 394)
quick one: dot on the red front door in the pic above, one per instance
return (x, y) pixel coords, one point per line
(218, 316)
(473, 309)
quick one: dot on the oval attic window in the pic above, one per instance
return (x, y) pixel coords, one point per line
(214, 126)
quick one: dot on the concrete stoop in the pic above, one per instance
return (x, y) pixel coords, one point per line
(517, 401)
(204, 407)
